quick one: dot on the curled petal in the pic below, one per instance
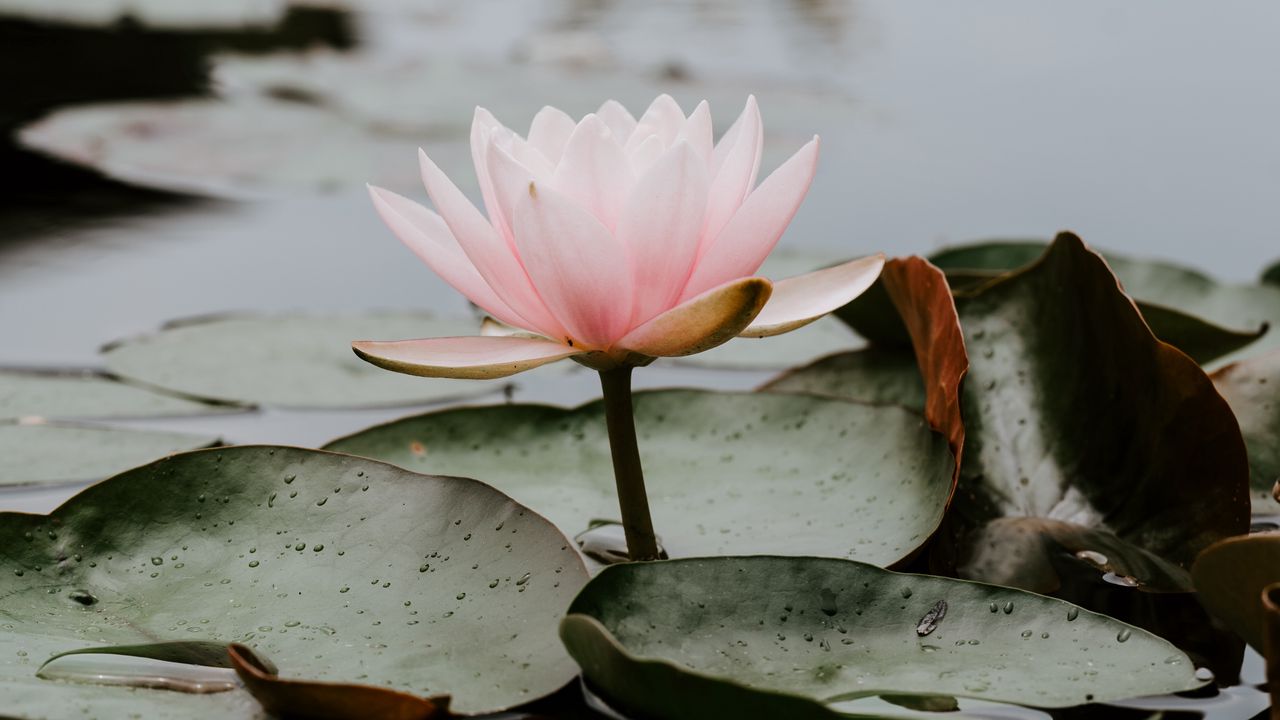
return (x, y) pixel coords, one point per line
(580, 269)
(799, 300)
(427, 235)
(470, 358)
(594, 172)
(493, 257)
(699, 324)
(660, 227)
(550, 132)
(734, 164)
(753, 231)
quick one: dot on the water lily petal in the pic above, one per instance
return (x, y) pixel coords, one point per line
(580, 269)
(427, 235)
(594, 171)
(664, 118)
(510, 180)
(697, 131)
(660, 225)
(483, 125)
(798, 301)
(471, 358)
(734, 164)
(619, 120)
(550, 132)
(493, 257)
(753, 231)
(701, 323)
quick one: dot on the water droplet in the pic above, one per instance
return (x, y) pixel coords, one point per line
(1026, 633)
(1092, 556)
(83, 597)
(200, 497)
(1204, 674)
(322, 501)
(1124, 635)
(1044, 636)
(461, 595)
(317, 547)
(293, 493)
(423, 567)
(523, 579)
(253, 563)
(131, 671)
(493, 583)
(1121, 580)
(906, 592)
(994, 607)
(827, 602)
(1073, 613)
(605, 542)
(1008, 608)
(930, 621)
(300, 547)
(288, 479)
(344, 588)
(18, 572)
(157, 561)
(292, 623)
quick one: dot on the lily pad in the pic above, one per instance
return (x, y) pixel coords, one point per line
(46, 452)
(153, 14)
(726, 473)
(768, 637)
(1252, 389)
(1230, 576)
(337, 569)
(874, 375)
(83, 395)
(1077, 414)
(1176, 301)
(288, 360)
(1272, 275)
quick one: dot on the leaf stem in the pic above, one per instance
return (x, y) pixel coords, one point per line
(632, 500)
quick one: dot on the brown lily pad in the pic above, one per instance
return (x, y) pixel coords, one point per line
(1252, 388)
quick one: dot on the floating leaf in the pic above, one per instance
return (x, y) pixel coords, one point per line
(1094, 451)
(726, 472)
(338, 569)
(1252, 389)
(768, 637)
(1230, 576)
(63, 452)
(200, 14)
(288, 360)
(1176, 301)
(874, 375)
(80, 395)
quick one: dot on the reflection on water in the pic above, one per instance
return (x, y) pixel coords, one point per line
(1148, 127)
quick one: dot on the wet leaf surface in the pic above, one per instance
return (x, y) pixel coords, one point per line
(1230, 576)
(336, 568)
(289, 360)
(82, 395)
(726, 472)
(51, 452)
(815, 631)
(1206, 318)
(1252, 389)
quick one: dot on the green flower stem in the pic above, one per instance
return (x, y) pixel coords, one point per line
(634, 503)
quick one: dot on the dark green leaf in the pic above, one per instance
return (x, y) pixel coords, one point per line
(338, 569)
(771, 637)
(726, 472)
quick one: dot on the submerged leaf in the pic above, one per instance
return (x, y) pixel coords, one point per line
(727, 472)
(1252, 389)
(338, 568)
(770, 637)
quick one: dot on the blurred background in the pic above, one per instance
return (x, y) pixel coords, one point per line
(164, 158)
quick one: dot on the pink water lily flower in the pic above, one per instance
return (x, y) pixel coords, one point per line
(611, 240)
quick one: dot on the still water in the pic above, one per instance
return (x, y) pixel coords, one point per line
(1148, 127)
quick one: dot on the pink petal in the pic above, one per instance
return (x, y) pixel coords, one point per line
(427, 235)
(619, 121)
(510, 180)
(594, 172)
(471, 358)
(753, 231)
(664, 118)
(708, 320)
(483, 125)
(660, 226)
(550, 132)
(697, 131)
(495, 259)
(735, 162)
(644, 155)
(800, 300)
(580, 269)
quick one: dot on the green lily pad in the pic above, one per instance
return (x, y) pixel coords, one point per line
(336, 568)
(726, 473)
(1077, 414)
(1175, 300)
(874, 375)
(43, 452)
(770, 637)
(83, 395)
(1230, 576)
(289, 360)
(1252, 389)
